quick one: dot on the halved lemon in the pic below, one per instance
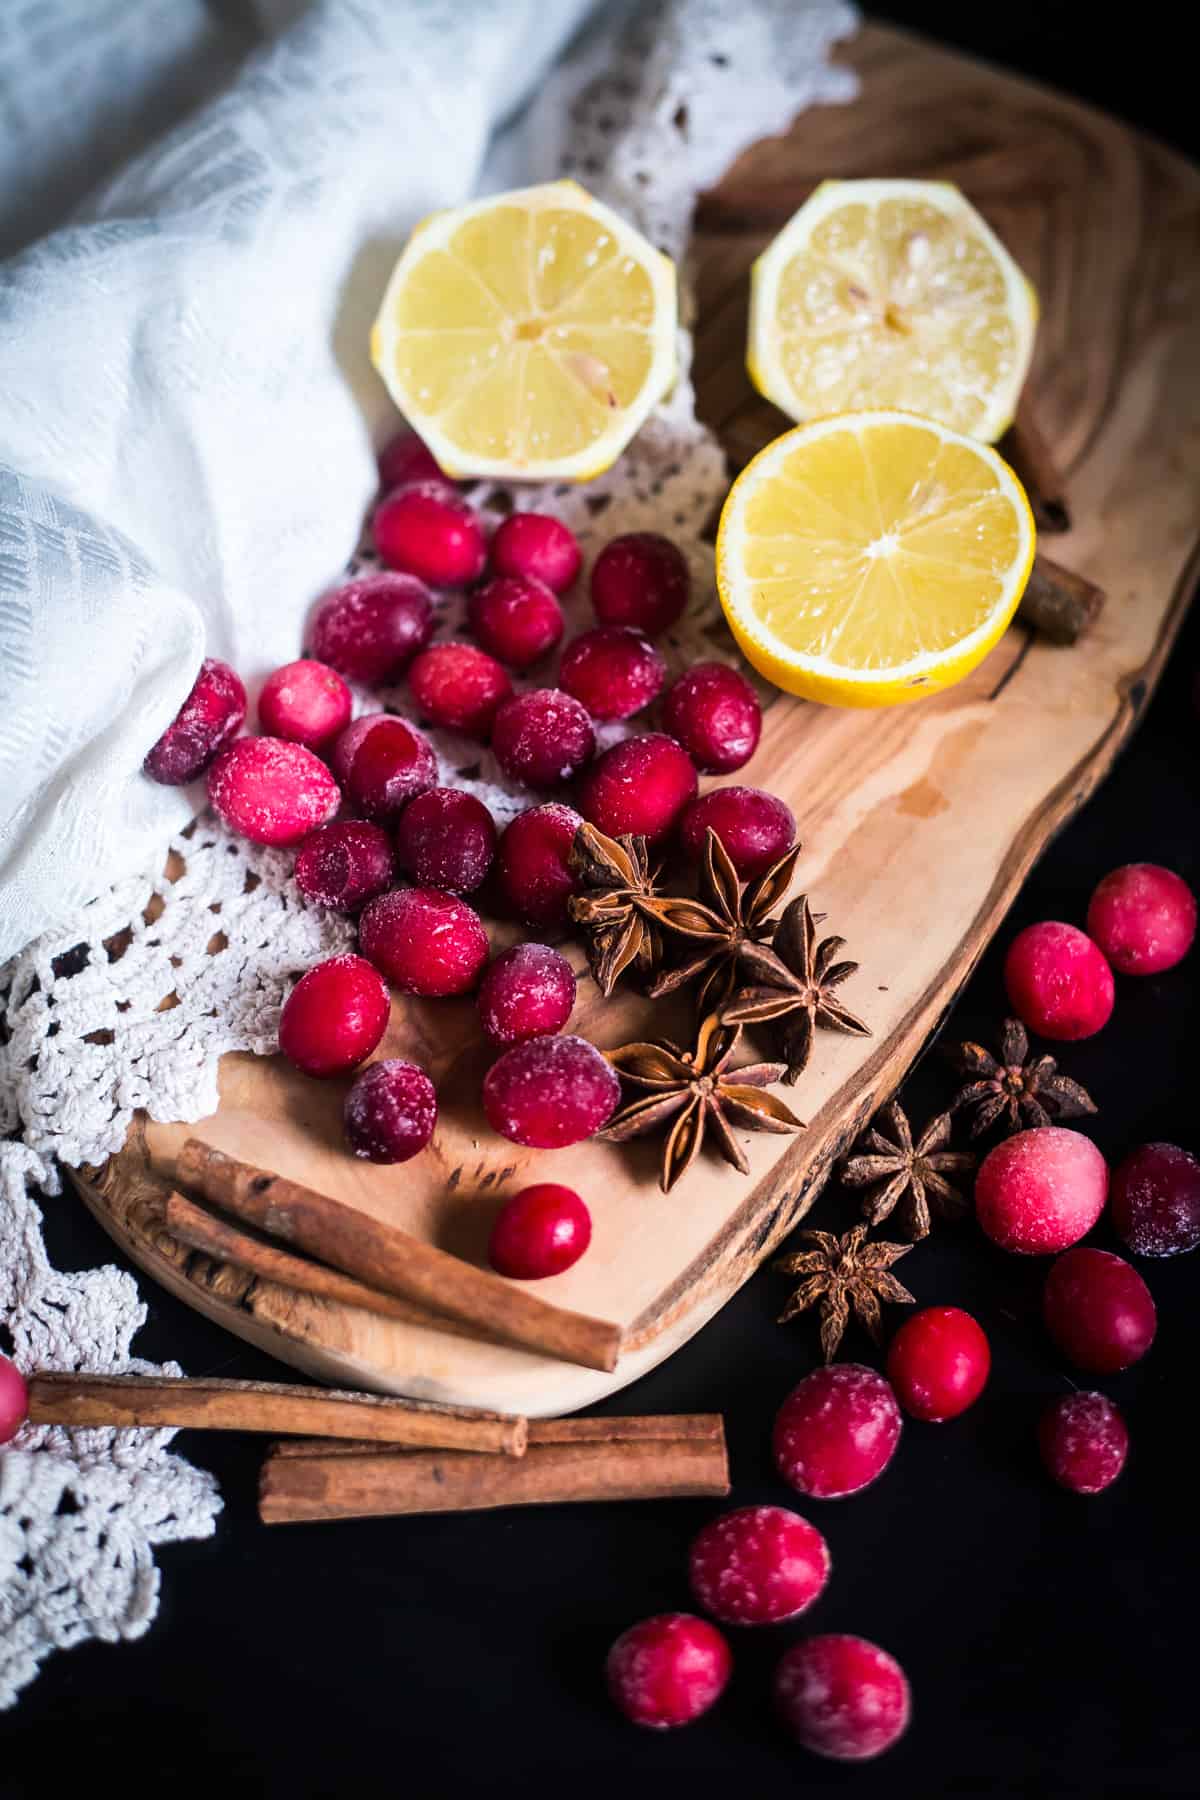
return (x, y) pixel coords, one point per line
(528, 335)
(891, 293)
(872, 558)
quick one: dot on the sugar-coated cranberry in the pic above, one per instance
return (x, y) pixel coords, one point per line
(14, 1400)
(714, 712)
(405, 459)
(539, 1232)
(345, 864)
(424, 941)
(526, 992)
(614, 671)
(668, 1670)
(334, 1016)
(427, 530)
(446, 838)
(211, 715)
(530, 543)
(390, 1111)
(755, 827)
(516, 618)
(1098, 1310)
(842, 1697)
(383, 763)
(758, 1565)
(532, 868)
(542, 738)
(938, 1362)
(640, 786)
(1041, 1191)
(370, 630)
(837, 1431)
(459, 687)
(306, 702)
(549, 1092)
(1143, 917)
(1084, 1441)
(1156, 1200)
(640, 579)
(270, 791)
(1058, 981)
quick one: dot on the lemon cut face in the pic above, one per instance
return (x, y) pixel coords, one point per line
(528, 335)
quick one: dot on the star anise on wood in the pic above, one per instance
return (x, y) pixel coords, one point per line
(616, 908)
(898, 1173)
(803, 998)
(727, 926)
(698, 1091)
(840, 1274)
(1028, 1089)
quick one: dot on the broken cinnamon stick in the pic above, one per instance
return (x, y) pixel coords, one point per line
(1058, 603)
(1027, 448)
(708, 1428)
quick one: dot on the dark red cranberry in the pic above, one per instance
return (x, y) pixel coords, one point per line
(370, 629)
(334, 1016)
(270, 791)
(526, 992)
(405, 459)
(344, 865)
(614, 671)
(424, 941)
(550, 1092)
(642, 580)
(530, 543)
(714, 712)
(210, 717)
(640, 786)
(390, 1111)
(1156, 1200)
(542, 738)
(842, 1697)
(459, 687)
(305, 702)
(755, 827)
(1084, 1442)
(383, 763)
(539, 1232)
(1098, 1310)
(938, 1362)
(532, 868)
(516, 619)
(446, 838)
(428, 530)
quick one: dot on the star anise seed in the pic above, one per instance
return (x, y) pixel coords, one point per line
(1028, 1089)
(899, 1173)
(840, 1274)
(616, 906)
(803, 999)
(728, 925)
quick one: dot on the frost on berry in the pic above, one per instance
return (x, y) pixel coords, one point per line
(837, 1431)
(538, 546)
(446, 838)
(459, 687)
(306, 702)
(270, 791)
(532, 872)
(517, 620)
(1058, 981)
(640, 579)
(383, 763)
(209, 718)
(758, 1565)
(639, 787)
(668, 1670)
(390, 1111)
(1084, 1442)
(1143, 917)
(842, 1697)
(1156, 1200)
(715, 714)
(369, 630)
(527, 992)
(542, 738)
(345, 864)
(1041, 1191)
(424, 942)
(755, 827)
(550, 1092)
(613, 671)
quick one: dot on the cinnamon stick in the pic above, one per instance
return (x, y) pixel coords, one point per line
(392, 1260)
(1028, 450)
(706, 1428)
(1058, 603)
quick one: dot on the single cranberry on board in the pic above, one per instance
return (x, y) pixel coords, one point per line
(334, 1016)
(383, 763)
(1143, 917)
(209, 718)
(369, 630)
(516, 618)
(542, 738)
(459, 687)
(668, 1670)
(758, 1565)
(639, 787)
(1058, 981)
(537, 545)
(270, 791)
(424, 941)
(1041, 1191)
(528, 991)
(390, 1111)
(406, 458)
(446, 838)
(938, 1362)
(533, 874)
(755, 827)
(550, 1092)
(715, 714)
(640, 579)
(1084, 1442)
(345, 864)
(541, 1231)
(842, 1697)
(1098, 1310)
(306, 702)
(1156, 1200)
(614, 671)
(14, 1400)
(837, 1431)
(427, 530)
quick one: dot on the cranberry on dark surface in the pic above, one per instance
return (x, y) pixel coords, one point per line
(210, 717)
(755, 828)
(458, 687)
(345, 864)
(542, 738)
(516, 618)
(1098, 1310)
(640, 579)
(842, 1697)
(424, 941)
(938, 1363)
(270, 791)
(334, 1016)
(758, 1565)
(390, 1111)
(1143, 917)
(306, 702)
(383, 763)
(714, 712)
(550, 1092)
(541, 1231)
(668, 1670)
(534, 544)
(640, 787)
(1041, 1191)
(1084, 1442)
(427, 530)
(446, 838)
(1156, 1200)
(1058, 981)
(526, 992)
(532, 871)
(837, 1431)
(614, 671)
(370, 629)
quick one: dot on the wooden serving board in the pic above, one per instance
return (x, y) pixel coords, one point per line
(920, 822)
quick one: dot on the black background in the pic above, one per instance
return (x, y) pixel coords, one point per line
(1050, 1640)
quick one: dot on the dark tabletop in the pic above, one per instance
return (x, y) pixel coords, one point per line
(1050, 1640)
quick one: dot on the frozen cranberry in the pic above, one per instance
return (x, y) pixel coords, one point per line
(614, 671)
(1156, 1200)
(1098, 1310)
(837, 1431)
(446, 839)
(640, 787)
(14, 1400)
(383, 763)
(1041, 1191)
(640, 579)
(270, 791)
(428, 530)
(550, 1092)
(334, 1016)
(405, 459)
(370, 630)
(345, 865)
(714, 712)
(530, 543)
(458, 686)
(304, 702)
(1058, 981)
(211, 715)
(842, 1697)
(390, 1111)
(668, 1670)
(1084, 1442)
(1144, 918)
(516, 619)
(758, 1565)
(424, 941)
(755, 828)
(527, 992)
(532, 871)
(938, 1362)
(541, 1231)
(542, 738)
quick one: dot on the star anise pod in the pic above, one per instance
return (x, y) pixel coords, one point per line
(804, 997)
(842, 1273)
(912, 1176)
(1029, 1089)
(698, 1090)
(728, 926)
(616, 906)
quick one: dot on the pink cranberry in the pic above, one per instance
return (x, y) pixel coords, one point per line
(390, 1111)
(334, 1016)
(516, 619)
(1084, 1442)
(304, 702)
(1156, 1200)
(424, 941)
(405, 459)
(14, 1400)
(842, 1697)
(542, 738)
(541, 1231)
(837, 1431)
(550, 1092)
(1144, 918)
(530, 543)
(640, 579)
(668, 1670)
(458, 686)
(446, 839)
(1041, 1191)
(345, 865)
(755, 828)
(758, 1565)
(383, 763)
(211, 715)
(938, 1362)
(270, 791)
(1098, 1310)
(714, 712)
(532, 869)
(527, 992)
(428, 530)
(370, 630)
(1058, 981)
(640, 786)
(614, 671)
